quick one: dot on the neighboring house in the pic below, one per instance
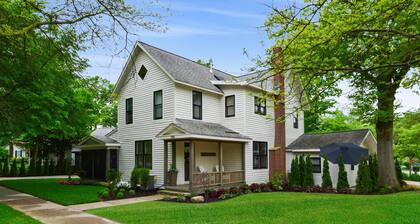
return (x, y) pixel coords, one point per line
(173, 110)
(19, 151)
(309, 144)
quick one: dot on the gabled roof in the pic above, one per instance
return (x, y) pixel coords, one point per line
(101, 135)
(315, 141)
(200, 128)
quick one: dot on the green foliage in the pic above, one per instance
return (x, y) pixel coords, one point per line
(31, 168)
(51, 167)
(13, 169)
(120, 195)
(5, 171)
(135, 177)
(363, 181)
(373, 168)
(46, 167)
(342, 182)
(208, 63)
(22, 168)
(294, 175)
(132, 192)
(38, 167)
(309, 177)
(398, 170)
(69, 168)
(1, 167)
(144, 177)
(302, 170)
(277, 182)
(326, 177)
(113, 177)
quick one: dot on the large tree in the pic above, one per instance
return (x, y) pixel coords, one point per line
(372, 44)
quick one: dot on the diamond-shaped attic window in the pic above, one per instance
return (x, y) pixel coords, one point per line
(142, 72)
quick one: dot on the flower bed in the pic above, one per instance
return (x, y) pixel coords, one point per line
(69, 182)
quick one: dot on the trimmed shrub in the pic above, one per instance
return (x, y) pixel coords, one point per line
(363, 181)
(244, 189)
(277, 182)
(31, 169)
(373, 169)
(51, 167)
(302, 169)
(120, 195)
(144, 177)
(113, 177)
(294, 178)
(254, 187)
(38, 167)
(46, 170)
(5, 171)
(13, 169)
(398, 170)
(135, 177)
(342, 182)
(22, 168)
(132, 192)
(309, 177)
(326, 177)
(103, 194)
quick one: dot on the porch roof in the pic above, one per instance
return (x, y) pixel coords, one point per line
(100, 137)
(185, 129)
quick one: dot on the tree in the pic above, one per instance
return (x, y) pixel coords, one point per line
(363, 181)
(208, 63)
(371, 44)
(302, 170)
(31, 168)
(338, 121)
(13, 169)
(5, 171)
(326, 177)
(373, 168)
(309, 177)
(342, 182)
(46, 167)
(22, 168)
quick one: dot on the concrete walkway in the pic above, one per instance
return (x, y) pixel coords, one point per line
(45, 211)
(37, 177)
(105, 204)
(413, 183)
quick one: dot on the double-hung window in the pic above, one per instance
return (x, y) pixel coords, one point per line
(316, 164)
(296, 120)
(260, 106)
(129, 111)
(260, 155)
(197, 105)
(157, 105)
(230, 106)
(143, 154)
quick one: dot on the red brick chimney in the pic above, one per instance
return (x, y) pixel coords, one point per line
(278, 152)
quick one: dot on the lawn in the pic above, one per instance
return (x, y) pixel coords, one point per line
(50, 190)
(10, 215)
(276, 208)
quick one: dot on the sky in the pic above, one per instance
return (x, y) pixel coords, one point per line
(220, 30)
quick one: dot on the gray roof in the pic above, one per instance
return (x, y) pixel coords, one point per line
(315, 141)
(195, 127)
(103, 134)
(186, 70)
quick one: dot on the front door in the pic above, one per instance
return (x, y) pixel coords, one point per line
(187, 161)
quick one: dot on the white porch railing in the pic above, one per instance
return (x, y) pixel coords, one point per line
(218, 178)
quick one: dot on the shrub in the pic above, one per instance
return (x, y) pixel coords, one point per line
(263, 187)
(363, 181)
(13, 169)
(254, 187)
(180, 197)
(38, 167)
(5, 171)
(132, 192)
(51, 167)
(342, 182)
(46, 170)
(104, 194)
(120, 195)
(326, 177)
(277, 182)
(69, 168)
(244, 189)
(135, 177)
(233, 190)
(144, 177)
(113, 177)
(31, 169)
(386, 190)
(294, 173)
(414, 177)
(302, 170)
(309, 177)
(373, 169)
(22, 168)
(1, 167)
(226, 196)
(398, 170)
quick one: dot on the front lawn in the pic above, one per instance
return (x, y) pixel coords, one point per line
(10, 215)
(51, 190)
(279, 207)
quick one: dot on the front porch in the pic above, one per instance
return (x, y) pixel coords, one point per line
(202, 163)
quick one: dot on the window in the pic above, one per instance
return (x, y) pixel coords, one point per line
(352, 167)
(260, 155)
(197, 105)
(157, 104)
(296, 120)
(142, 72)
(129, 111)
(316, 164)
(144, 154)
(230, 106)
(260, 106)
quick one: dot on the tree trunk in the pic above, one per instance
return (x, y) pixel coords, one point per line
(385, 131)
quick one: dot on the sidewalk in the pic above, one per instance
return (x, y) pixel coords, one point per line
(45, 211)
(37, 177)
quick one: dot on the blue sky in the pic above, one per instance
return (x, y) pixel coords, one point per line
(220, 30)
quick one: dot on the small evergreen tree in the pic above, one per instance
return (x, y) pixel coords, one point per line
(38, 167)
(363, 181)
(302, 168)
(398, 170)
(294, 175)
(326, 177)
(5, 170)
(309, 177)
(342, 182)
(51, 167)
(69, 168)
(1, 167)
(13, 169)
(373, 168)
(46, 167)
(31, 169)
(22, 168)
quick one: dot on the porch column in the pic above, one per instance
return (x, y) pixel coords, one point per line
(243, 159)
(192, 164)
(165, 162)
(221, 163)
(173, 153)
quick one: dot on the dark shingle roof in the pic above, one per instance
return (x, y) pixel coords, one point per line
(315, 141)
(186, 70)
(103, 134)
(206, 128)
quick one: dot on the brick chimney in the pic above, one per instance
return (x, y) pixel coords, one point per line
(278, 152)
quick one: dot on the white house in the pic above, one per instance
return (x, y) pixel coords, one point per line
(173, 110)
(309, 144)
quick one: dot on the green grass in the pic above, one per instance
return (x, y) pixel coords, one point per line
(276, 208)
(51, 190)
(10, 215)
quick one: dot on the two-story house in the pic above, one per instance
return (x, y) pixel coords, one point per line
(175, 112)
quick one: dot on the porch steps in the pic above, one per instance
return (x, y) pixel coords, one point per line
(173, 193)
